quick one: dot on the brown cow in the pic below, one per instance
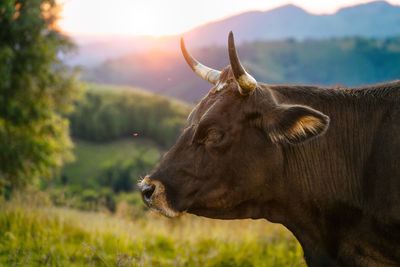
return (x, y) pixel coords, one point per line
(323, 162)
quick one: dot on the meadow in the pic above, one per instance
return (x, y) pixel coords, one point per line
(37, 234)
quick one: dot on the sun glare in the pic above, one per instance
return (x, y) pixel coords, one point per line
(166, 17)
(149, 17)
(146, 18)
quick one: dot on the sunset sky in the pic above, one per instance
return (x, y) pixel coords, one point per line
(166, 17)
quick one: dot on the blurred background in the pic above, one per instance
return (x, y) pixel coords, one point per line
(93, 92)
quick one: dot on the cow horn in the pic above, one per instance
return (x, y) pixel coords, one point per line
(204, 72)
(246, 82)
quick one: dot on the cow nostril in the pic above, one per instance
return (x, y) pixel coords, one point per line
(147, 192)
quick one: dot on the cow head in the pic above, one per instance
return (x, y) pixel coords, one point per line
(228, 161)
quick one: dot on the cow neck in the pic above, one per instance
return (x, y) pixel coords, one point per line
(325, 177)
(330, 168)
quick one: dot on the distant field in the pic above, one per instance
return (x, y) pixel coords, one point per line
(92, 158)
(32, 236)
(177, 103)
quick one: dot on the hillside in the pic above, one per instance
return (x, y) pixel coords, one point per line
(345, 61)
(109, 113)
(371, 20)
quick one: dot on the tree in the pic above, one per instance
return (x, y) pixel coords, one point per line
(36, 92)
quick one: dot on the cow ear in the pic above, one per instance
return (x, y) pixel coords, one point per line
(295, 124)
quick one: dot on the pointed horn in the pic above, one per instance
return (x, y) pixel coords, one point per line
(246, 82)
(204, 72)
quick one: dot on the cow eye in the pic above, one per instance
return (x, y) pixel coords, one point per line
(214, 136)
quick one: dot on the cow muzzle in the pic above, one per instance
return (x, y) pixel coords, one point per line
(154, 196)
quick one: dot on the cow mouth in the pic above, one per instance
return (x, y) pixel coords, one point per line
(160, 205)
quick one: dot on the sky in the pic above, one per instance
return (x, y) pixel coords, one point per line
(168, 17)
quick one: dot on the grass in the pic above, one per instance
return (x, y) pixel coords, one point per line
(48, 236)
(92, 158)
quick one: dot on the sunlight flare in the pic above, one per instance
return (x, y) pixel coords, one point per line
(159, 17)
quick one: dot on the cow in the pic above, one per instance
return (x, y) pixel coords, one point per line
(323, 162)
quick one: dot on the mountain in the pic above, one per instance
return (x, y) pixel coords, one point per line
(375, 19)
(346, 61)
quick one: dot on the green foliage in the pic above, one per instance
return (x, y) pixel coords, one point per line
(60, 237)
(89, 199)
(111, 113)
(36, 91)
(123, 175)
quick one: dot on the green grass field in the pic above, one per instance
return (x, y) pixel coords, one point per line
(92, 158)
(48, 236)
